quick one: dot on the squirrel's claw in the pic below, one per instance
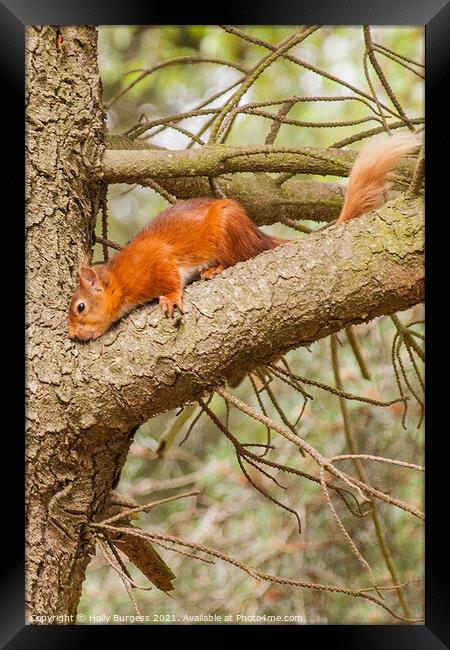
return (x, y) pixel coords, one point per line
(168, 305)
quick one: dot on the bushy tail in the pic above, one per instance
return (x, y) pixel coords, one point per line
(368, 176)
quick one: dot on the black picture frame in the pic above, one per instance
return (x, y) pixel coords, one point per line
(435, 16)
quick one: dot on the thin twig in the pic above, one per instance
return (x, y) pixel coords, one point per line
(302, 63)
(180, 60)
(254, 573)
(320, 460)
(148, 506)
(368, 134)
(351, 442)
(418, 176)
(352, 339)
(335, 391)
(285, 45)
(107, 242)
(376, 66)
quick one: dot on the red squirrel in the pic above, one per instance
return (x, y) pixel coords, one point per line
(200, 238)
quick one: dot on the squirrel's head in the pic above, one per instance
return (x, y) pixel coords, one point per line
(94, 304)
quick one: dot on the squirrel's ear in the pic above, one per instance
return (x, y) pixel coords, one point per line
(89, 278)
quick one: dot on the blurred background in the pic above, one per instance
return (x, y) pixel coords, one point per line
(229, 514)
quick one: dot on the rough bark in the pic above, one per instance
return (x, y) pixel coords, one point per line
(65, 477)
(265, 201)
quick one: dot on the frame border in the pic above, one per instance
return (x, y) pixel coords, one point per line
(435, 15)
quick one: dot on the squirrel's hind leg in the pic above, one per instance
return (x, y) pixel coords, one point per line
(207, 274)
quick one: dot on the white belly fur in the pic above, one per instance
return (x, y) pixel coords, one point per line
(187, 273)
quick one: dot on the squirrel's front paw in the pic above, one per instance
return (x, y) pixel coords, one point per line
(168, 304)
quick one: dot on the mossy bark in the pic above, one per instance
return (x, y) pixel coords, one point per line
(212, 160)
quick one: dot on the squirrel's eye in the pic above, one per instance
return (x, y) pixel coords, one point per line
(81, 306)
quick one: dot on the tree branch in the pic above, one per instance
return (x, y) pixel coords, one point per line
(284, 298)
(265, 201)
(263, 198)
(120, 166)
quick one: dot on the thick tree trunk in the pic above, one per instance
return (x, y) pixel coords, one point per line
(83, 400)
(65, 477)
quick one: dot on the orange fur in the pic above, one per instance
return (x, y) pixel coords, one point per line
(368, 176)
(200, 238)
(193, 238)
